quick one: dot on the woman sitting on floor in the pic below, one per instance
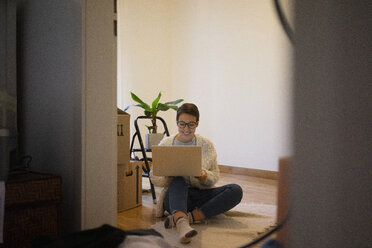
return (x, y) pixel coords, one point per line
(188, 199)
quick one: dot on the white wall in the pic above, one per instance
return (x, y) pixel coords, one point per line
(231, 58)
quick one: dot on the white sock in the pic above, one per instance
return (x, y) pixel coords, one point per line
(184, 230)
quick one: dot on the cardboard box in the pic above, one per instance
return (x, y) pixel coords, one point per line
(123, 128)
(129, 185)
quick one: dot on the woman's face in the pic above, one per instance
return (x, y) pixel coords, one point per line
(185, 132)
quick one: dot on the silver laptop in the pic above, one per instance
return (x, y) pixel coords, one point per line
(176, 160)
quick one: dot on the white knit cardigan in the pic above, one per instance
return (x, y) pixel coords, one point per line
(209, 164)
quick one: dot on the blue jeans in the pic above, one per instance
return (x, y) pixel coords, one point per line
(210, 202)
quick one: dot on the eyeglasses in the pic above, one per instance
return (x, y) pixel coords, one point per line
(183, 124)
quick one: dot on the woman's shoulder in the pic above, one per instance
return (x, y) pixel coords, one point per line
(203, 140)
(167, 140)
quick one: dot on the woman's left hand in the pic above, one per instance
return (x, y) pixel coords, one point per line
(203, 176)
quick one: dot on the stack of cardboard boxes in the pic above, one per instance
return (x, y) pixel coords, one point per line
(129, 172)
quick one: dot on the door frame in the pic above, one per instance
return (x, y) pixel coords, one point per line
(98, 172)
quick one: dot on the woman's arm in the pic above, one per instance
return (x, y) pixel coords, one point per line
(161, 181)
(209, 166)
(212, 171)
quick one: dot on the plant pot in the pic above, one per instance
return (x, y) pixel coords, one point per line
(153, 139)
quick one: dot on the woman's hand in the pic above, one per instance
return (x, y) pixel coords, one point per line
(203, 176)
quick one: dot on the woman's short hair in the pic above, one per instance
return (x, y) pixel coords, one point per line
(188, 108)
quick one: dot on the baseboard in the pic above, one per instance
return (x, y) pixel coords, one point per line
(249, 172)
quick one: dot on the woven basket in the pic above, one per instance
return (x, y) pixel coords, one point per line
(32, 208)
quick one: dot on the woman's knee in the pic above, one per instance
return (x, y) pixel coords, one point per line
(237, 192)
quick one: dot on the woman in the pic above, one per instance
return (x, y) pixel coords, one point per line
(191, 200)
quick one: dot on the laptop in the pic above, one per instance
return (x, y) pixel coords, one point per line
(176, 160)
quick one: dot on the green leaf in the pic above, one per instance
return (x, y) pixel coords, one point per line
(142, 104)
(155, 102)
(149, 128)
(173, 107)
(162, 107)
(148, 113)
(156, 106)
(155, 112)
(174, 102)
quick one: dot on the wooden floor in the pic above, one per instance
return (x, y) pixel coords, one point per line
(257, 190)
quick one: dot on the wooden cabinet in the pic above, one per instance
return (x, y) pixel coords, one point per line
(32, 208)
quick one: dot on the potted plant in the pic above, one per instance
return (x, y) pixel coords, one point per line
(152, 111)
